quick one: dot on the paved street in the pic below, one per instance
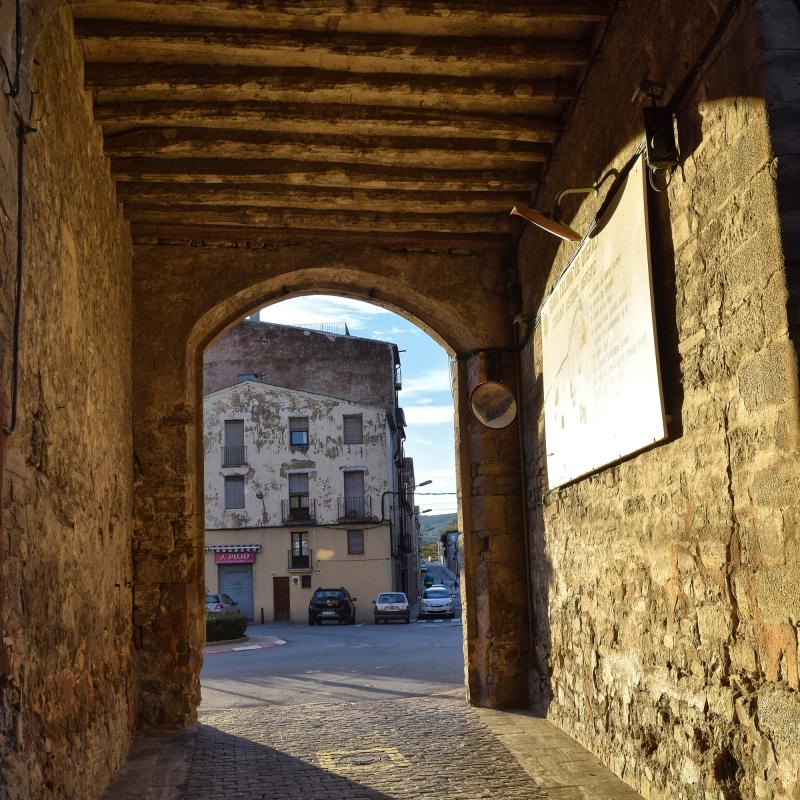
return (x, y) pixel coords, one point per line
(364, 712)
(336, 663)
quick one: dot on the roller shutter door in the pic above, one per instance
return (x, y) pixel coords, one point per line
(237, 581)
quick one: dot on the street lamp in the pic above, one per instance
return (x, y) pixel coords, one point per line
(399, 491)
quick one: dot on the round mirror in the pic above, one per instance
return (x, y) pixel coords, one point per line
(493, 404)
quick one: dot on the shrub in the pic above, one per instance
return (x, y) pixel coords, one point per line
(225, 626)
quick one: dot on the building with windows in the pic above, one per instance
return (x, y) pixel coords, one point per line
(305, 489)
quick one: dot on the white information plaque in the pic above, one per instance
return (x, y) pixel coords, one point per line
(601, 378)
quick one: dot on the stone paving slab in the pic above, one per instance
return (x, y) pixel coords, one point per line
(560, 766)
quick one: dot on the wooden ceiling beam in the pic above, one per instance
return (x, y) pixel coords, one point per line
(167, 195)
(229, 235)
(417, 17)
(324, 119)
(109, 41)
(132, 83)
(321, 174)
(364, 221)
(408, 151)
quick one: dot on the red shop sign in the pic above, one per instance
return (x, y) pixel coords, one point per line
(235, 558)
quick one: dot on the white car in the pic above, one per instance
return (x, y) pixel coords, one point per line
(436, 602)
(392, 605)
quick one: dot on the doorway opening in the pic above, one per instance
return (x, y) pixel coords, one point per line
(331, 506)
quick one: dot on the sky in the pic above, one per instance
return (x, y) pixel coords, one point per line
(425, 396)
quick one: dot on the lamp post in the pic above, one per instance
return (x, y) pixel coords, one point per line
(260, 496)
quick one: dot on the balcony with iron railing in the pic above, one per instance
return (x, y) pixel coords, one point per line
(299, 562)
(298, 510)
(355, 508)
(234, 455)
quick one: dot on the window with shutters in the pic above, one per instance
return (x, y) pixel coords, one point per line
(300, 555)
(355, 543)
(353, 429)
(298, 431)
(298, 495)
(305, 581)
(234, 491)
(233, 451)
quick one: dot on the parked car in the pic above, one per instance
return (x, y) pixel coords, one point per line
(392, 605)
(220, 604)
(332, 604)
(436, 602)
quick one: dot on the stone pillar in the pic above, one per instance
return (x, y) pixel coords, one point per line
(169, 611)
(494, 583)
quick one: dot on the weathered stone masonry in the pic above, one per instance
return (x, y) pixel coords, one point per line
(665, 588)
(65, 551)
(666, 605)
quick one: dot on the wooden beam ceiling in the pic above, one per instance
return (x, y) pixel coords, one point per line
(413, 122)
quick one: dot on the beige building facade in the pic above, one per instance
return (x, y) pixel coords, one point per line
(297, 489)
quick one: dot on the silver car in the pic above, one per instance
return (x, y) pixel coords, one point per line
(392, 605)
(220, 604)
(436, 602)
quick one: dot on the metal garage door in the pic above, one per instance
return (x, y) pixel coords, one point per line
(237, 581)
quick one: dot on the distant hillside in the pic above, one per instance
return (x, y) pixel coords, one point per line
(433, 526)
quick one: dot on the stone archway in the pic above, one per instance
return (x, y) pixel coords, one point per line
(185, 297)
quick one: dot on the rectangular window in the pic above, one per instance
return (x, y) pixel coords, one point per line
(298, 431)
(299, 555)
(355, 543)
(299, 507)
(233, 453)
(300, 544)
(234, 491)
(353, 429)
(305, 581)
(354, 505)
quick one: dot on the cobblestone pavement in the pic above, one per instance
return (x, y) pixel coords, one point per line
(405, 749)
(380, 750)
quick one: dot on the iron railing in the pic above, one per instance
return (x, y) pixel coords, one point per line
(300, 561)
(293, 510)
(355, 508)
(234, 455)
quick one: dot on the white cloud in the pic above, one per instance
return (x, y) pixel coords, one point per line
(394, 331)
(322, 308)
(428, 415)
(434, 380)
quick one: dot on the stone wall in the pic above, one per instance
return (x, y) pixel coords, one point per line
(65, 549)
(184, 297)
(666, 600)
(303, 359)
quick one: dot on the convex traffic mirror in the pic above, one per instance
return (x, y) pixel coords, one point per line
(493, 404)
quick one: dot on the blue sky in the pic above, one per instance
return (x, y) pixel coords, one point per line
(425, 397)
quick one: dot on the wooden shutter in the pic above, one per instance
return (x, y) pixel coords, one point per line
(353, 429)
(298, 483)
(234, 491)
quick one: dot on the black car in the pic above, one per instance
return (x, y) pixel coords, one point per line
(333, 604)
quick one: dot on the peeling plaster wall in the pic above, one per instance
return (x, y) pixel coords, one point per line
(666, 606)
(266, 411)
(65, 547)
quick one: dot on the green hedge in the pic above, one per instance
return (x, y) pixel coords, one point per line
(225, 626)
